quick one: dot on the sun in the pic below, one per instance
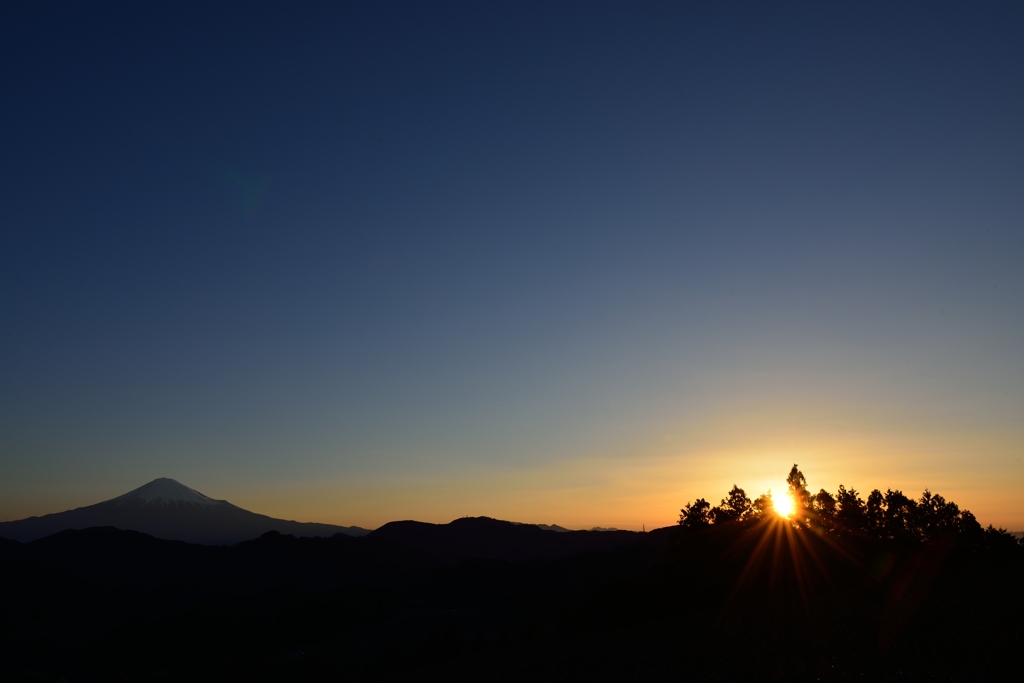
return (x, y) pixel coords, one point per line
(784, 505)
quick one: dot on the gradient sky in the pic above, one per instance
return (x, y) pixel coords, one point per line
(560, 263)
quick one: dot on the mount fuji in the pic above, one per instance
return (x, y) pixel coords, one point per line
(165, 508)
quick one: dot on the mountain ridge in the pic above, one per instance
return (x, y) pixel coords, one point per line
(167, 509)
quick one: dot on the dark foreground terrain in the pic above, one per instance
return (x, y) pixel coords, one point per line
(480, 599)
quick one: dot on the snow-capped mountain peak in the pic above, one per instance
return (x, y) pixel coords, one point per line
(163, 491)
(168, 509)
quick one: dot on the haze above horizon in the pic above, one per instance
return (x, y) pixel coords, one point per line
(564, 264)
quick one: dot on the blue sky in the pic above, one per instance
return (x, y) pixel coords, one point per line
(572, 263)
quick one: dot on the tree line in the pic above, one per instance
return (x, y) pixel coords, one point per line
(882, 516)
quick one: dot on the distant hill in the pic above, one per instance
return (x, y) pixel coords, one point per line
(167, 509)
(493, 539)
(393, 555)
(562, 529)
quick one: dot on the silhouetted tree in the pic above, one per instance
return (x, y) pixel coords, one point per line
(889, 516)
(762, 506)
(934, 516)
(735, 507)
(801, 497)
(969, 526)
(999, 540)
(695, 514)
(900, 515)
(851, 515)
(824, 505)
(875, 511)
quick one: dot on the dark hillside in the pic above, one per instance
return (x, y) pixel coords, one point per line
(765, 599)
(486, 538)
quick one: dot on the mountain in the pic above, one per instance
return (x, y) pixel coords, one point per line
(493, 539)
(167, 509)
(394, 555)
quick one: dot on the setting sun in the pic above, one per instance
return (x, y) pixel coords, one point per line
(784, 505)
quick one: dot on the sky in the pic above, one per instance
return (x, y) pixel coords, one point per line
(572, 263)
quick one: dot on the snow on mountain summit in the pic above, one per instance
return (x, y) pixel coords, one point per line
(163, 491)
